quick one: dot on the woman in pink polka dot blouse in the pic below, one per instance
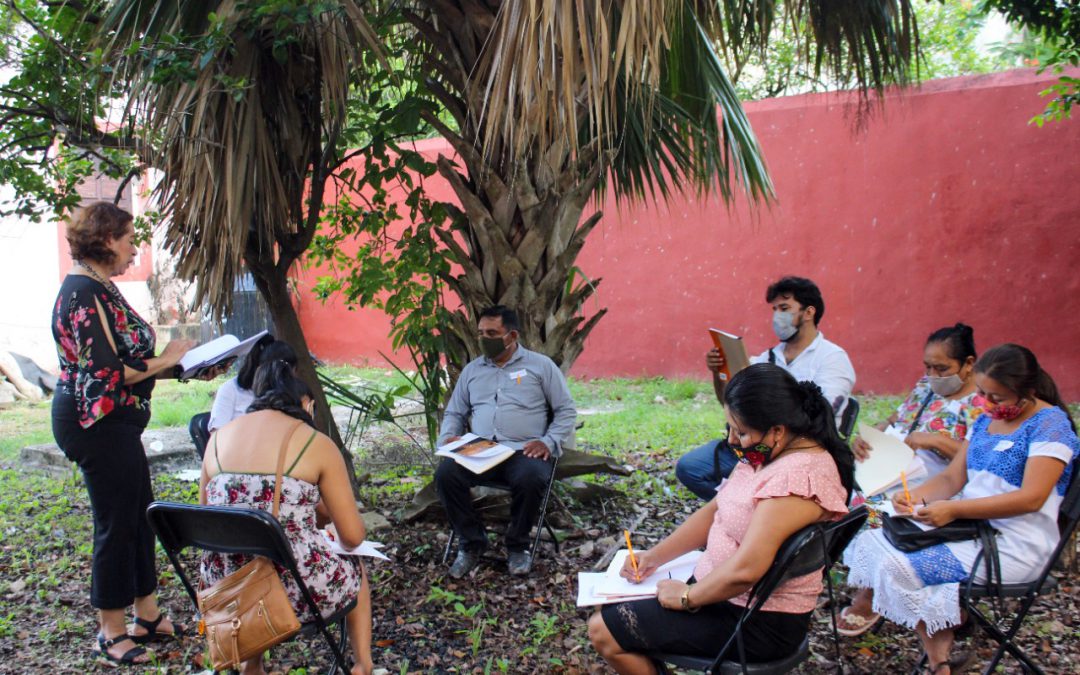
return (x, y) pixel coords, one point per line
(794, 470)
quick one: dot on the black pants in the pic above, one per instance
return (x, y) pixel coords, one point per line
(117, 475)
(527, 477)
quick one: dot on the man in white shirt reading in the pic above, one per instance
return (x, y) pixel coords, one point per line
(803, 351)
(520, 399)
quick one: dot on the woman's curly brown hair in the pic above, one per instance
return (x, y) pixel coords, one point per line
(93, 228)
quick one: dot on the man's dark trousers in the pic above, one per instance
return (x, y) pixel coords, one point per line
(527, 477)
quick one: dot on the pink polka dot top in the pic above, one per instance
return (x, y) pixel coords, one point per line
(810, 475)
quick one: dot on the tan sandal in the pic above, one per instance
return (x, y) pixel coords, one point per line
(856, 623)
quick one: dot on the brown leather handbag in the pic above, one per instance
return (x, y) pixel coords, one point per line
(248, 611)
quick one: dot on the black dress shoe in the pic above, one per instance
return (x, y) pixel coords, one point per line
(464, 563)
(519, 563)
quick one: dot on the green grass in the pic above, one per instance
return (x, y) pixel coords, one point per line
(660, 415)
(24, 424)
(651, 414)
(175, 402)
(655, 415)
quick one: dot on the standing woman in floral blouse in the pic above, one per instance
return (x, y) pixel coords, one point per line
(101, 406)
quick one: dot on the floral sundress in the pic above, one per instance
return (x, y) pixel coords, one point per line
(332, 579)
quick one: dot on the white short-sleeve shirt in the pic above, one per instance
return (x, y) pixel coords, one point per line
(231, 402)
(824, 363)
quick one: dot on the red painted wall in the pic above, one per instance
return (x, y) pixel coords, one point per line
(944, 206)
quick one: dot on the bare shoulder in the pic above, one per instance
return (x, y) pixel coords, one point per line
(321, 447)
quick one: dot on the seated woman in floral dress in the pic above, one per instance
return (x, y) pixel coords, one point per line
(1013, 471)
(935, 420)
(239, 469)
(794, 471)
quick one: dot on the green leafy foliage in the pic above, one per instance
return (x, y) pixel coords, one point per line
(377, 240)
(1052, 41)
(50, 108)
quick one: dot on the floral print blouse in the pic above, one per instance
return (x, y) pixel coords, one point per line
(952, 418)
(92, 372)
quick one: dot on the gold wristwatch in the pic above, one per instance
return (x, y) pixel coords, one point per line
(684, 600)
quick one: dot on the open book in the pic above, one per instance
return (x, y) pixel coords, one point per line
(366, 548)
(601, 588)
(733, 350)
(475, 453)
(889, 457)
(214, 352)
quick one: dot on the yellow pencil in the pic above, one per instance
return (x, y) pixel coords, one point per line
(907, 495)
(633, 560)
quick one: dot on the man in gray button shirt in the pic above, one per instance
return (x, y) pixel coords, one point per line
(520, 399)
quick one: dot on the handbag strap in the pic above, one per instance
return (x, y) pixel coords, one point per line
(918, 415)
(281, 466)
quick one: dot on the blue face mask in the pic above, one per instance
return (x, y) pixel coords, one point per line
(783, 324)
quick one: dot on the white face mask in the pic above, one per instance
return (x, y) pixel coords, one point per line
(946, 386)
(783, 324)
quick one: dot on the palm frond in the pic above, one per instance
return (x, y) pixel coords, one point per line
(241, 115)
(552, 72)
(678, 142)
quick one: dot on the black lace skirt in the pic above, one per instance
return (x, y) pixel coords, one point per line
(645, 626)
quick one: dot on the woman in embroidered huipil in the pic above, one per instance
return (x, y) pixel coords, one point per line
(939, 413)
(101, 406)
(794, 470)
(1014, 471)
(935, 419)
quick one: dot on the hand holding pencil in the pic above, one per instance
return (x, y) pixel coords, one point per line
(638, 564)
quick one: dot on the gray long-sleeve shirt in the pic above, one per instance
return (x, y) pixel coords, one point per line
(512, 404)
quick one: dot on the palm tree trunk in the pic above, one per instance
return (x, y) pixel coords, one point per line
(520, 251)
(272, 280)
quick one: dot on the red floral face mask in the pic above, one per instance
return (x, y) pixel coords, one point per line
(756, 456)
(1007, 412)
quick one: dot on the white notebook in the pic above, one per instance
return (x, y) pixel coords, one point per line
(889, 457)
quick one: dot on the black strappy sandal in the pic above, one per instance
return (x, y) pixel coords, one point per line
(128, 657)
(152, 632)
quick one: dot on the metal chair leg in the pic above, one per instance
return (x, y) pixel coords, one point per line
(449, 546)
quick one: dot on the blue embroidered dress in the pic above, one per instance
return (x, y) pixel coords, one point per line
(925, 585)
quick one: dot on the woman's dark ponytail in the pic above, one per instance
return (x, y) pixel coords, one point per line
(958, 339)
(266, 349)
(764, 395)
(822, 429)
(278, 388)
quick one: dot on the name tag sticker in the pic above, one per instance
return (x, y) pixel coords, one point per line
(516, 376)
(1002, 446)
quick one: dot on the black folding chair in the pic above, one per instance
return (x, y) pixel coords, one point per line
(229, 529)
(1028, 593)
(849, 418)
(814, 547)
(541, 521)
(199, 428)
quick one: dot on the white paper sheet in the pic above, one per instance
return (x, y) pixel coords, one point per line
(888, 458)
(367, 548)
(613, 584)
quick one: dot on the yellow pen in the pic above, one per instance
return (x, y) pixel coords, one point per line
(907, 495)
(633, 560)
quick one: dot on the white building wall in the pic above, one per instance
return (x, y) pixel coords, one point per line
(29, 281)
